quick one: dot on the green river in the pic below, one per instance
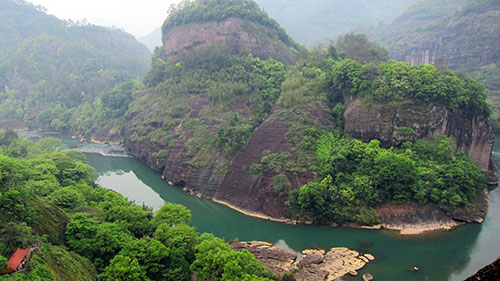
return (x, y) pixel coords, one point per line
(452, 255)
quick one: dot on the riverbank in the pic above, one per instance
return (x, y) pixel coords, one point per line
(253, 214)
(416, 226)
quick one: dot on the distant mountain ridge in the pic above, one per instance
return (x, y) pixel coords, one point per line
(47, 64)
(319, 21)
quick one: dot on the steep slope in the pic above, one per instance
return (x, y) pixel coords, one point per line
(240, 26)
(461, 34)
(246, 132)
(48, 64)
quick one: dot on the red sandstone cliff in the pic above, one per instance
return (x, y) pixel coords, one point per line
(241, 36)
(473, 133)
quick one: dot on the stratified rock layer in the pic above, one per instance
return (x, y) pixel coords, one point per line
(240, 36)
(314, 265)
(380, 121)
(461, 41)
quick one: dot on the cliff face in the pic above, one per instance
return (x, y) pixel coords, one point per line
(463, 34)
(489, 272)
(388, 123)
(240, 36)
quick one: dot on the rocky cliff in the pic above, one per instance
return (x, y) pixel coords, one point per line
(240, 36)
(463, 34)
(489, 272)
(235, 129)
(388, 122)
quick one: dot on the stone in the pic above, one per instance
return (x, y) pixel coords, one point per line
(367, 277)
(369, 257)
(279, 260)
(353, 273)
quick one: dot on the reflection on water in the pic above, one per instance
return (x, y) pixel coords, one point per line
(451, 255)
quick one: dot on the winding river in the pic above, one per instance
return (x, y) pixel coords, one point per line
(452, 255)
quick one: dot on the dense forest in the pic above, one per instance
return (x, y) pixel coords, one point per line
(51, 70)
(48, 199)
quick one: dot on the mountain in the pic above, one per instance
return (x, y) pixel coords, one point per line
(319, 21)
(236, 112)
(461, 34)
(152, 40)
(51, 67)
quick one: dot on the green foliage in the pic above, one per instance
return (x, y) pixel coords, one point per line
(208, 100)
(357, 47)
(215, 260)
(103, 236)
(255, 169)
(50, 68)
(280, 183)
(171, 214)
(393, 81)
(355, 177)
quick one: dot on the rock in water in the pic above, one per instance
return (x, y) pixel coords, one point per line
(315, 265)
(367, 277)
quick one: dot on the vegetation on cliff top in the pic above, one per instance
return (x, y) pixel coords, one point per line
(49, 198)
(198, 11)
(394, 81)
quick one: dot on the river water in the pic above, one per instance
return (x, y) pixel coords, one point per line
(452, 255)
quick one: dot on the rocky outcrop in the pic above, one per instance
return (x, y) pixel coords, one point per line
(412, 218)
(462, 39)
(487, 273)
(253, 192)
(388, 122)
(240, 36)
(310, 265)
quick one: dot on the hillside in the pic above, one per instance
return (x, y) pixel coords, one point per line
(461, 34)
(319, 21)
(252, 132)
(49, 68)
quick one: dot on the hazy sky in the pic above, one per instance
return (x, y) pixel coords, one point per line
(138, 17)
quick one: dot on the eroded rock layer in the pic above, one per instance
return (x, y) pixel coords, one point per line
(241, 36)
(381, 121)
(312, 265)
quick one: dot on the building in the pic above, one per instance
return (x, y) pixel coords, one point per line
(18, 261)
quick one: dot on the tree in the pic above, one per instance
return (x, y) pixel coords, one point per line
(124, 268)
(171, 214)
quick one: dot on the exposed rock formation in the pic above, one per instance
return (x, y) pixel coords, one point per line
(314, 265)
(381, 121)
(460, 38)
(241, 36)
(490, 272)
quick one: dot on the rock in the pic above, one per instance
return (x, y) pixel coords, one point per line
(240, 36)
(311, 257)
(489, 272)
(369, 257)
(367, 277)
(279, 260)
(337, 263)
(314, 265)
(363, 258)
(377, 120)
